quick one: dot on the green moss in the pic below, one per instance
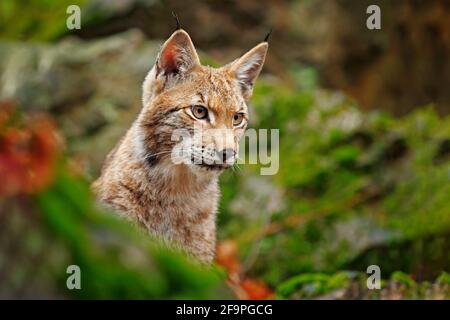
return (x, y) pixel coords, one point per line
(359, 180)
(313, 284)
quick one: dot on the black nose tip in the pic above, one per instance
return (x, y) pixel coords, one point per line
(226, 154)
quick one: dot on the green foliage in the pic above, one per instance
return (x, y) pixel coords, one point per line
(312, 284)
(351, 285)
(34, 19)
(403, 278)
(116, 261)
(444, 278)
(351, 182)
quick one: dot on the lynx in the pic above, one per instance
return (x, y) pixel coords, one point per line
(176, 201)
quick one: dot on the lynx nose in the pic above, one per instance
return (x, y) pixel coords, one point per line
(226, 154)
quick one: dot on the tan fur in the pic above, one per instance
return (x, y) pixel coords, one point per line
(178, 202)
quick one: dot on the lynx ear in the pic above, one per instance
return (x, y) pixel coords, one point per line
(177, 55)
(247, 68)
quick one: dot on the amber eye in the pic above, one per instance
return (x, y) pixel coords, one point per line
(238, 118)
(200, 112)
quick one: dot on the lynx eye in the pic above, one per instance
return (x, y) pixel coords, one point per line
(200, 112)
(237, 119)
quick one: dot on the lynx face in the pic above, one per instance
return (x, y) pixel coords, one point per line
(194, 115)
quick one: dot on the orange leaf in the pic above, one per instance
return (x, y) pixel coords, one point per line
(227, 256)
(255, 289)
(28, 153)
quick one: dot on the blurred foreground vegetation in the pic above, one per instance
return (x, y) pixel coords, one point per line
(48, 221)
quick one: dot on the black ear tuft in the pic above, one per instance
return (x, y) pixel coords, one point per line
(175, 16)
(266, 39)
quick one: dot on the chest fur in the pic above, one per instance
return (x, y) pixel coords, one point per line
(181, 213)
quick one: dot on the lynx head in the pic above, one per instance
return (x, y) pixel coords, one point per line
(192, 114)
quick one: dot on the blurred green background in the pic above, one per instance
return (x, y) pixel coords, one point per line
(364, 149)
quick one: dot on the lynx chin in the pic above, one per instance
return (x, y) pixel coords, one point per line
(177, 201)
